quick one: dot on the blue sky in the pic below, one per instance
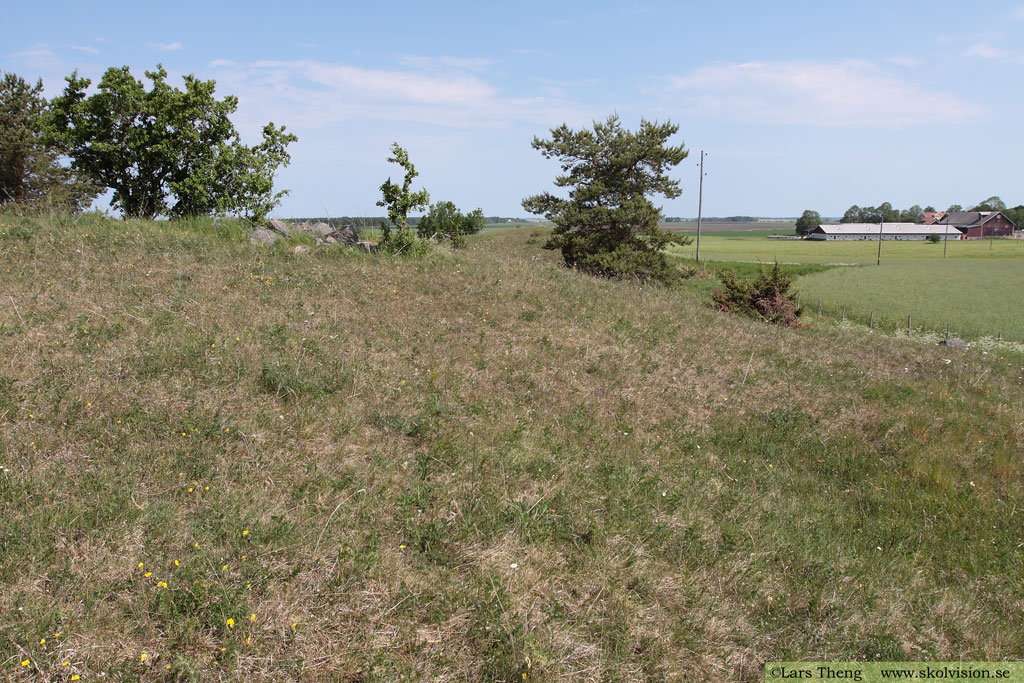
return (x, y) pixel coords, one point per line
(799, 104)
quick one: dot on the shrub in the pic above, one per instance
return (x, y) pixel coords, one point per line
(766, 298)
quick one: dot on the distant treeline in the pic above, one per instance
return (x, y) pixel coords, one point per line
(715, 219)
(374, 221)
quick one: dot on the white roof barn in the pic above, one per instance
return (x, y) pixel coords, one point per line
(890, 231)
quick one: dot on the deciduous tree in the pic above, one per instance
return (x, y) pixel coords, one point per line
(444, 220)
(399, 200)
(165, 151)
(808, 221)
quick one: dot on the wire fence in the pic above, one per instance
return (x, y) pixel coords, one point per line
(903, 325)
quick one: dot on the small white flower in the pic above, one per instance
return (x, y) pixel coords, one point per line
(514, 565)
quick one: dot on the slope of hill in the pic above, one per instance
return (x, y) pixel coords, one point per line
(478, 465)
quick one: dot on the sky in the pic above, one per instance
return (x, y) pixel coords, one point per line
(798, 105)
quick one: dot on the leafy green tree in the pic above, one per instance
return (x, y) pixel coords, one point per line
(852, 215)
(165, 151)
(888, 214)
(914, 214)
(30, 173)
(954, 208)
(607, 226)
(807, 222)
(1016, 215)
(993, 203)
(399, 200)
(444, 220)
(930, 208)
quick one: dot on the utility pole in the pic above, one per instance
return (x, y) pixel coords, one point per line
(700, 202)
(945, 241)
(880, 224)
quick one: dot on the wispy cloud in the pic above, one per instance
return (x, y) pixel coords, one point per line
(168, 47)
(314, 94)
(445, 63)
(829, 94)
(1018, 14)
(908, 61)
(40, 60)
(86, 48)
(986, 50)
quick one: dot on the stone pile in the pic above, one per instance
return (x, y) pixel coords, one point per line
(320, 231)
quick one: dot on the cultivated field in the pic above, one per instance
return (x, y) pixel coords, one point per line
(972, 290)
(221, 461)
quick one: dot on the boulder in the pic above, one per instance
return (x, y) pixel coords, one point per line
(346, 235)
(320, 229)
(263, 236)
(277, 225)
(954, 343)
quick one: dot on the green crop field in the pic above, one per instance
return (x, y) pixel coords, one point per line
(972, 290)
(975, 297)
(754, 246)
(221, 461)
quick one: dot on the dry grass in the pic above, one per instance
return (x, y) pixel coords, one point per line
(474, 466)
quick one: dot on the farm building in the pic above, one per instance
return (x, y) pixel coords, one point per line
(890, 231)
(979, 224)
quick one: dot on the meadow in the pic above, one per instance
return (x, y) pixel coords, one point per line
(970, 291)
(219, 460)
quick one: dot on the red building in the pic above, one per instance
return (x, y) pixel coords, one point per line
(979, 224)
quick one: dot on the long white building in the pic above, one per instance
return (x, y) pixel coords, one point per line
(890, 231)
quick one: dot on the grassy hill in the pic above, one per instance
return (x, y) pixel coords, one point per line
(474, 466)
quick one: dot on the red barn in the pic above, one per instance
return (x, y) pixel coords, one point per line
(979, 224)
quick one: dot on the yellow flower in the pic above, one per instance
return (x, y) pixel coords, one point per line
(75, 677)
(168, 667)
(231, 623)
(245, 532)
(224, 568)
(65, 663)
(253, 617)
(190, 489)
(148, 574)
(140, 565)
(42, 641)
(294, 624)
(162, 584)
(175, 563)
(26, 662)
(142, 657)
